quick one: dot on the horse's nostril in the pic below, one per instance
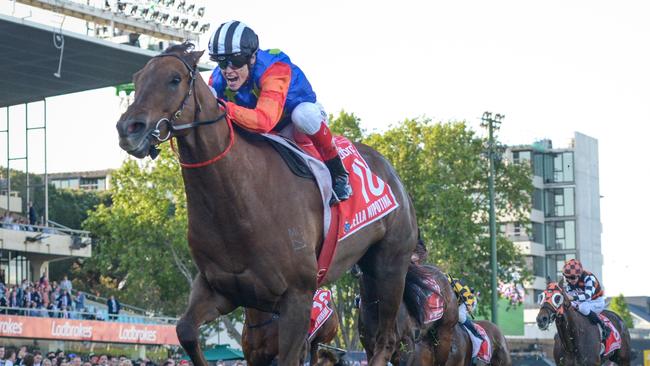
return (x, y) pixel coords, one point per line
(135, 127)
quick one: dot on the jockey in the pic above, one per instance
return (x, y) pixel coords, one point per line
(585, 292)
(466, 303)
(265, 91)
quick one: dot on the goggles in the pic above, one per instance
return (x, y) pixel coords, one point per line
(236, 61)
(571, 278)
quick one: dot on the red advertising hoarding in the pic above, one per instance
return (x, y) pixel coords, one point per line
(86, 330)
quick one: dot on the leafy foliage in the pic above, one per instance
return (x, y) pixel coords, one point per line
(346, 124)
(66, 207)
(445, 170)
(619, 306)
(140, 253)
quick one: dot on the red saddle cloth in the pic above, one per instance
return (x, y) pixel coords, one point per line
(320, 311)
(485, 351)
(435, 304)
(371, 199)
(613, 342)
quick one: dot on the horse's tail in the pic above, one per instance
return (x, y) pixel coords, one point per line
(417, 289)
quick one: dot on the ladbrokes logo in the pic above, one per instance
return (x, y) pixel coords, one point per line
(68, 330)
(11, 327)
(134, 334)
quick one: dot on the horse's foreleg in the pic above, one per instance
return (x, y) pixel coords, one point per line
(422, 355)
(203, 308)
(313, 353)
(295, 310)
(384, 279)
(443, 345)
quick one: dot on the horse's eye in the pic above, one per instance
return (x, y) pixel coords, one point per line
(175, 80)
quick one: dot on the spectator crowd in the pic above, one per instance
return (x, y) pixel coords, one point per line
(25, 357)
(50, 299)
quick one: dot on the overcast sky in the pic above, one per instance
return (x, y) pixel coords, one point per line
(551, 67)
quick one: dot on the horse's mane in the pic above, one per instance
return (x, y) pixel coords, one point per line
(180, 49)
(183, 50)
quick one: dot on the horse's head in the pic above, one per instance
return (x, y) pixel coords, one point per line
(553, 302)
(163, 89)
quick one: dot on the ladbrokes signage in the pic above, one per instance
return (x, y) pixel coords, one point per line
(86, 330)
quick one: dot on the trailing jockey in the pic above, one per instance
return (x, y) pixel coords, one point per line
(466, 303)
(585, 292)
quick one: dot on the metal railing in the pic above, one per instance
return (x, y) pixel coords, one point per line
(103, 300)
(98, 314)
(80, 238)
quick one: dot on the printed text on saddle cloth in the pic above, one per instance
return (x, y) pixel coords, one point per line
(372, 198)
(320, 311)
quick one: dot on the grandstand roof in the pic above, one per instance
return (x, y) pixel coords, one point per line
(29, 59)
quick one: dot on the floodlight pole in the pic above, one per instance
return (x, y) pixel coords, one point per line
(492, 124)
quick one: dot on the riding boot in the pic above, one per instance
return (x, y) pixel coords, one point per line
(470, 326)
(595, 319)
(324, 143)
(340, 179)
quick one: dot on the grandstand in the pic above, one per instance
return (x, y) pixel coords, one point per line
(42, 61)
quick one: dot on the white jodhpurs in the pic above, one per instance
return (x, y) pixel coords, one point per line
(597, 306)
(462, 313)
(307, 117)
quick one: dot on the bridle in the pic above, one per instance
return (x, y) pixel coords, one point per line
(173, 128)
(553, 298)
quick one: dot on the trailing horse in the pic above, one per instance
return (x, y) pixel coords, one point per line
(442, 342)
(415, 334)
(254, 229)
(578, 341)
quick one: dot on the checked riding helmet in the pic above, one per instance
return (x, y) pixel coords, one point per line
(572, 268)
(233, 44)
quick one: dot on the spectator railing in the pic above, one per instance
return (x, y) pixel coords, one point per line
(80, 238)
(104, 300)
(86, 315)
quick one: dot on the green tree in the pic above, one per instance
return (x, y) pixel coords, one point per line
(444, 168)
(619, 306)
(71, 207)
(346, 124)
(66, 207)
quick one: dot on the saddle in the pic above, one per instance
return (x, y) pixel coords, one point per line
(296, 164)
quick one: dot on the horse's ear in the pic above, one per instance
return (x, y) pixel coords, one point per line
(561, 283)
(548, 280)
(196, 55)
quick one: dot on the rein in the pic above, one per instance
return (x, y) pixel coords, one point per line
(172, 127)
(274, 317)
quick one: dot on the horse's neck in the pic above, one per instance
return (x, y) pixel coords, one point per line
(205, 143)
(567, 329)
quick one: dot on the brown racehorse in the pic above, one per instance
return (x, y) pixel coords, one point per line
(444, 342)
(411, 331)
(260, 337)
(255, 229)
(577, 341)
